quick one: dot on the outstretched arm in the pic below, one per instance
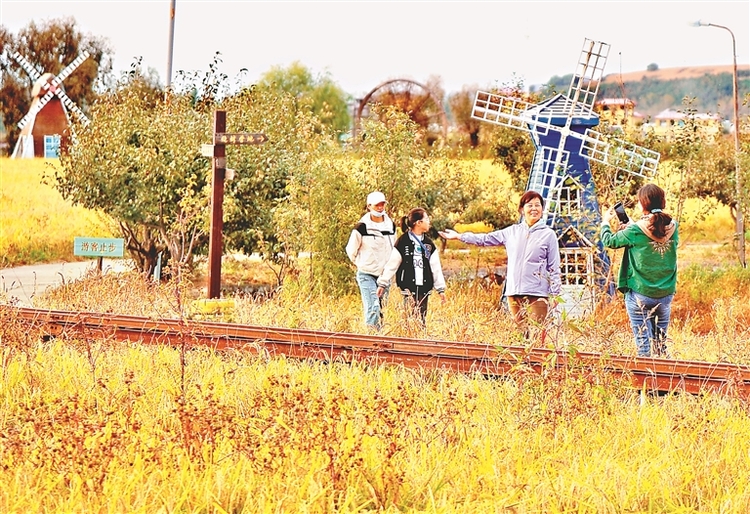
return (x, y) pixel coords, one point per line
(449, 234)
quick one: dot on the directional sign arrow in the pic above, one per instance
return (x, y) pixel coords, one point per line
(239, 138)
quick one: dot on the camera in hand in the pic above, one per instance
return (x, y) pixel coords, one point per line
(621, 214)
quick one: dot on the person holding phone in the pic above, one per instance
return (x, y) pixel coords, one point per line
(621, 214)
(533, 280)
(648, 272)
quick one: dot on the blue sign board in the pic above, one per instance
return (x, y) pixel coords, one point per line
(99, 247)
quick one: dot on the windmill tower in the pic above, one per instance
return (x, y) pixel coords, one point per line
(48, 119)
(562, 131)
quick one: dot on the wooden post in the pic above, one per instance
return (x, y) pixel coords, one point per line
(217, 211)
(217, 150)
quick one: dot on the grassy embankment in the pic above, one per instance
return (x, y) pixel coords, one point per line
(93, 426)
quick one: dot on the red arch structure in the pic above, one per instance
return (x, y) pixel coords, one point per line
(368, 96)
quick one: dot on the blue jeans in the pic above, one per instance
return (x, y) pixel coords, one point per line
(368, 288)
(649, 318)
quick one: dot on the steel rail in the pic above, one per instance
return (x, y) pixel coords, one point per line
(652, 374)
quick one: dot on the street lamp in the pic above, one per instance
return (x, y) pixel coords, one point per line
(170, 50)
(740, 226)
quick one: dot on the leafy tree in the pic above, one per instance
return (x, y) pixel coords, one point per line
(706, 166)
(422, 103)
(327, 197)
(262, 173)
(50, 47)
(461, 105)
(139, 161)
(326, 200)
(328, 101)
(389, 158)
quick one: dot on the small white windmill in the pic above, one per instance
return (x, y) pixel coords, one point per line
(48, 118)
(561, 129)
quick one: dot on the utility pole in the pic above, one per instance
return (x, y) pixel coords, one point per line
(739, 219)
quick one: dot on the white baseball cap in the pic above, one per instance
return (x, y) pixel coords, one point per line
(375, 198)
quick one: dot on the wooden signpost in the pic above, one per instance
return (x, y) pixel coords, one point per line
(218, 151)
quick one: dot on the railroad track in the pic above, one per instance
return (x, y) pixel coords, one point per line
(652, 374)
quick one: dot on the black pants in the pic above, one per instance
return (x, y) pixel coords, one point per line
(416, 302)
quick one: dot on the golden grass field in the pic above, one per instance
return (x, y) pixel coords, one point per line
(36, 224)
(90, 425)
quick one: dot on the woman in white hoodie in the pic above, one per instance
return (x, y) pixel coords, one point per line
(369, 248)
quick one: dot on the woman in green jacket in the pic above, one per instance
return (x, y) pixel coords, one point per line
(648, 273)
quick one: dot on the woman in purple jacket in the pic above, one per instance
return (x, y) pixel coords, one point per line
(533, 280)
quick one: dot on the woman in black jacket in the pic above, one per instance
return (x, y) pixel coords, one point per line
(415, 263)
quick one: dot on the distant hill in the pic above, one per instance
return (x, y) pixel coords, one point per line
(665, 88)
(675, 73)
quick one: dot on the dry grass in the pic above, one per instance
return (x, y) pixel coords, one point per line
(90, 425)
(94, 426)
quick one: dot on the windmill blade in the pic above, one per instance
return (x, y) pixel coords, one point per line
(65, 73)
(35, 109)
(586, 79)
(507, 112)
(29, 68)
(72, 106)
(621, 154)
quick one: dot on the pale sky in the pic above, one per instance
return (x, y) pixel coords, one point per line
(361, 44)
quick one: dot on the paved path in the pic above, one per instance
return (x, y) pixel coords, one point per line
(24, 283)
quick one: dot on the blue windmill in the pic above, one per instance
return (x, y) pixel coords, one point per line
(562, 131)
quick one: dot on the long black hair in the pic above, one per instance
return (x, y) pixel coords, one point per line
(652, 199)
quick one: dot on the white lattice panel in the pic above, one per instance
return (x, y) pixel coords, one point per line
(29, 68)
(507, 112)
(585, 82)
(620, 154)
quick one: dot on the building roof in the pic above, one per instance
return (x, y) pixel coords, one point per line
(619, 102)
(556, 109)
